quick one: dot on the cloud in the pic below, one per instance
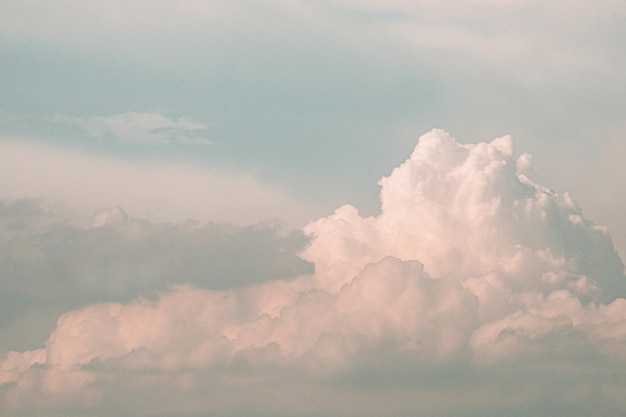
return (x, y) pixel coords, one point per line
(527, 41)
(146, 128)
(473, 291)
(555, 42)
(49, 266)
(594, 179)
(85, 183)
(466, 210)
(549, 73)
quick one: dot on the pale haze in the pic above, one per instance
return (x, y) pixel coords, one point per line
(312, 208)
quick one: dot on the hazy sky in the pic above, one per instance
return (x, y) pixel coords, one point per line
(225, 208)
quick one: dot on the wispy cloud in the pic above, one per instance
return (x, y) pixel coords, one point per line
(142, 128)
(84, 182)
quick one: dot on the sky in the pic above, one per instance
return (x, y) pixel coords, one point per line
(312, 208)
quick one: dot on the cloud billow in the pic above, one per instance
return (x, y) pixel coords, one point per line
(474, 291)
(49, 266)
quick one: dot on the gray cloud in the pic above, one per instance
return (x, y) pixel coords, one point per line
(50, 265)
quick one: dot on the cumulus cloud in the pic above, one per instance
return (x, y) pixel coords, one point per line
(470, 272)
(49, 266)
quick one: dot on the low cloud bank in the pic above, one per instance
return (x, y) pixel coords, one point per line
(474, 291)
(50, 266)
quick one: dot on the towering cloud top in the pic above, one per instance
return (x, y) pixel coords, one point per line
(469, 261)
(470, 211)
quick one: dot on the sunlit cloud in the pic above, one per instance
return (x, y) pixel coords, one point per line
(471, 269)
(156, 155)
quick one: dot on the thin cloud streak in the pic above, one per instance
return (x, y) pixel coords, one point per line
(142, 128)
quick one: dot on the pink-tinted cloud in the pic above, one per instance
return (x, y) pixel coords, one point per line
(471, 268)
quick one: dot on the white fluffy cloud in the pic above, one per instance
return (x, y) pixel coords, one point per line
(471, 271)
